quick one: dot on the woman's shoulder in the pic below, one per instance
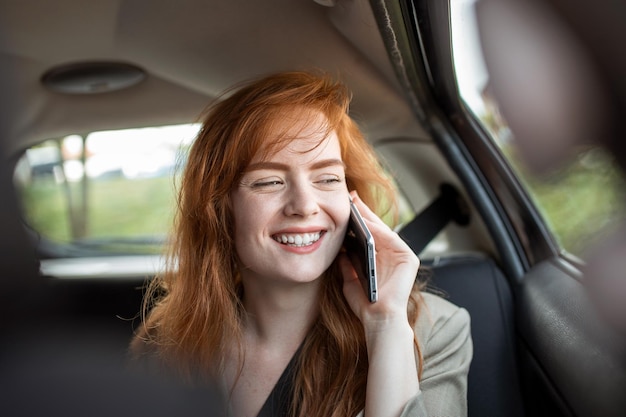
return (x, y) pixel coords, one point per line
(143, 351)
(142, 341)
(440, 319)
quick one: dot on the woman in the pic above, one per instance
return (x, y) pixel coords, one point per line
(258, 286)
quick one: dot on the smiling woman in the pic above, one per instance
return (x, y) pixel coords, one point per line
(260, 295)
(98, 218)
(305, 179)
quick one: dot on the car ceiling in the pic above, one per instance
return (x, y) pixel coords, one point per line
(191, 50)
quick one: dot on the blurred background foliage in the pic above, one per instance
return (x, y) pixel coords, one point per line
(579, 201)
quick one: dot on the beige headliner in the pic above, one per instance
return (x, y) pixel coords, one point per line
(191, 50)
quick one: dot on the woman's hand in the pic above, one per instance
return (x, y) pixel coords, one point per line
(396, 268)
(392, 375)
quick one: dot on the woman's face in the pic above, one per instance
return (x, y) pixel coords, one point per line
(291, 209)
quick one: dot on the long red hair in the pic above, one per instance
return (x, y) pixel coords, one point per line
(193, 311)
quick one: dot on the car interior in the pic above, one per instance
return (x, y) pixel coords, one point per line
(71, 67)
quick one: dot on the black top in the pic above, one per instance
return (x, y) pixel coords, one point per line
(278, 402)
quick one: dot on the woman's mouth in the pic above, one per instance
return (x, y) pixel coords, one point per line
(297, 239)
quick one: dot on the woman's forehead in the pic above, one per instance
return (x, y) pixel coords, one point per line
(300, 123)
(305, 149)
(298, 132)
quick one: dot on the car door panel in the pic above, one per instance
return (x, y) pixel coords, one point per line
(568, 349)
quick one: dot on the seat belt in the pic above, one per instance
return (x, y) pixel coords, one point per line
(449, 206)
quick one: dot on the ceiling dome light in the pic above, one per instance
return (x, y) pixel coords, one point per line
(92, 77)
(327, 3)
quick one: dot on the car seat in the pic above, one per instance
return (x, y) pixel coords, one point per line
(477, 284)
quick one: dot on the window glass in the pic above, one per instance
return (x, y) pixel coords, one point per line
(576, 201)
(110, 191)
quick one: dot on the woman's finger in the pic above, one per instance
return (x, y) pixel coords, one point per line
(365, 211)
(352, 286)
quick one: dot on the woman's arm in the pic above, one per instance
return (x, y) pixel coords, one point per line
(444, 333)
(392, 376)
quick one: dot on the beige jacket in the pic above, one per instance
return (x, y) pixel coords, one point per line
(443, 331)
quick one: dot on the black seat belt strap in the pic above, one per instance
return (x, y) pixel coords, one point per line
(449, 206)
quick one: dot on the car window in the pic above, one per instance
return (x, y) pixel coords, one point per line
(109, 192)
(577, 200)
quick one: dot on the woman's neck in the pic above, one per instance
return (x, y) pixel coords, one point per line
(280, 314)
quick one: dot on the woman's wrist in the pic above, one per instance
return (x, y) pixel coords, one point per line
(396, 327)
(392, 377)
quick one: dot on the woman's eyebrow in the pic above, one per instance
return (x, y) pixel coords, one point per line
(328, 163)
(284, 167)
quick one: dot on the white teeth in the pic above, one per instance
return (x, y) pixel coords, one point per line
(299, 240)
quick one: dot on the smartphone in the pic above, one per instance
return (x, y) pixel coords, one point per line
(359, 245)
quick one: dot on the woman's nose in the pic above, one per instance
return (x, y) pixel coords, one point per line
(301, 201)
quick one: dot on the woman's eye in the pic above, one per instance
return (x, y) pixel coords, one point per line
(267, 183)
(329, 180)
